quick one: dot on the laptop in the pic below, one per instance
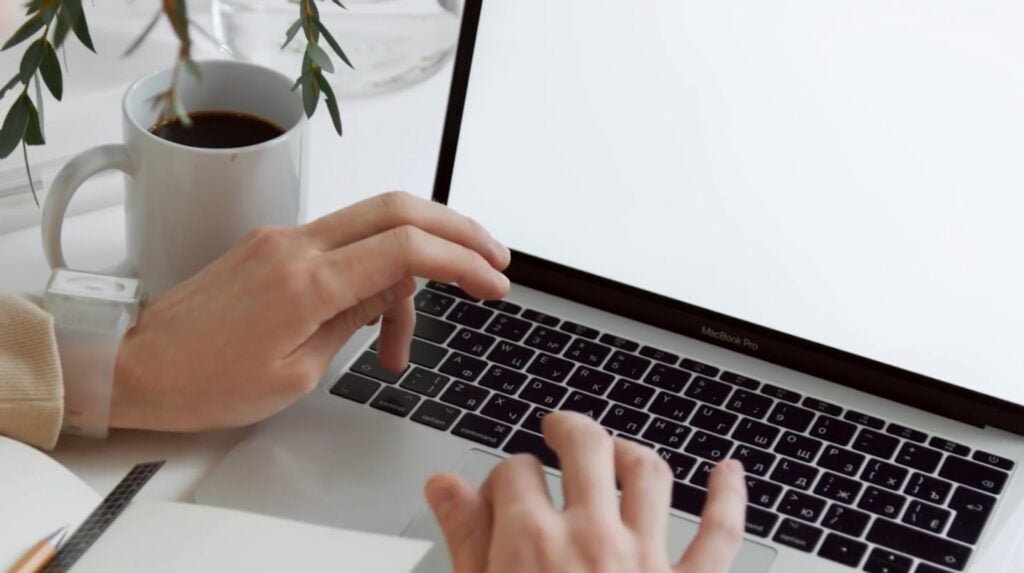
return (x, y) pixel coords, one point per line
(782, 232)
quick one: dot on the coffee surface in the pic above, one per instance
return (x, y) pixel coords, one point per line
(218, 130)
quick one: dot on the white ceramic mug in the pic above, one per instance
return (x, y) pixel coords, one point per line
(185, 206)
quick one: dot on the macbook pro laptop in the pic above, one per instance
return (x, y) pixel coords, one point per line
(784, 232)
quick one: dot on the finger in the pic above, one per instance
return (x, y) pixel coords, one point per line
(516, 488)
(587, 457)
(646, 492)
(465, 520)
(721, 523)
(396, 329)
(390, 210)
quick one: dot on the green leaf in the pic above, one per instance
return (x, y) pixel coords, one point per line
(193, 69)
(338, 2)
(310, 89)
(25, 31)
(298, 82)
(34, 128)
(72, 11)
(145, 32)
(13, 82)
(60, 29)
(332, 104)
(319, 57)
(14, 126)
(50, 70)
(179, 110)
(39, 98)
(290, 34)
(28, 171)
(31, 60)
(334, 45)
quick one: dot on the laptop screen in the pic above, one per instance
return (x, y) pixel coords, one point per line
(851, 173)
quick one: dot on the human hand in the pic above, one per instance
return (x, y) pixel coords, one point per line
(255, 330)
(510, 525)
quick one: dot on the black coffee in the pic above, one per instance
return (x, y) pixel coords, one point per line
(218, 130)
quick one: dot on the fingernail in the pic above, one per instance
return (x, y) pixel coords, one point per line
(734, 467)
(441, 498)
(389, 296)
(502, 280)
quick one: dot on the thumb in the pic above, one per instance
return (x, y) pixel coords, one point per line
(465, 519)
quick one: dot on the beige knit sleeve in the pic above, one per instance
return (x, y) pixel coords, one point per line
(31, 388)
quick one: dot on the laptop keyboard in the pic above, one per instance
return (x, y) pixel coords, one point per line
(845, 485)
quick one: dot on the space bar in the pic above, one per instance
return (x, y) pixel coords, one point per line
(919, 544)
(527, 443)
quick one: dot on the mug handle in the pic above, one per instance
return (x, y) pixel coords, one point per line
(68, 180)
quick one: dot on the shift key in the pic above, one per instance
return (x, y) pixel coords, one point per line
(919, 544)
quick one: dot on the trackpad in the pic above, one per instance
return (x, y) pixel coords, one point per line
(476, 465)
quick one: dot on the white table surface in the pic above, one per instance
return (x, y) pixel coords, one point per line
(390, 142)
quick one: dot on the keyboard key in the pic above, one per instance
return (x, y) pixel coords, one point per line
(426, 353)
(509, 354)
(822, 406)
(508, 327)
(707, 446)
(579, 330)
(626, 420)
(841, 460)
(928, 488)
(356, 388)
(755, 462)
(973, 475)
(923, 567)
(550, 367)
(667, 433)
(708, 390)
(794, 474)
(395, 401)
(678, 462)
(926, 546)
(537, 316)
(628, 365)
(667, 378)
(700, 475)
(802, 506)
(882, 561)
(663, 356)
(688, 498)
(425, 382)
(526, 443)
(875, 444)
(672, 407)
(755, 433)
(927, 517)
(881, 502)
(450, 289)
(433, 303)
(842, 550)
(837, 488)
(846, 520)
(798, 535)
(482, 430)
(619, 342)
(791, 417)
(749, 404)
(993, 460)
(833, 430)
(761, 492)
(781, 393)
(463, 366)
(739, 380)
(699, 367)
(464, 395)
(760, 522)
(432, 329)
(585, 404)
(543, 393)
(470, 315)
(504, 306)
(436, 415)
(972, 511)
(368, 365)
(948, 446)
(590, 380)
(587, 352)
(471, 342)
(884, 474)
(548, 340)
(505, 409)
(906, 433)
(918, 457)
(503, 379)
(800, 447)
(714, 420)
(534, 419)
(864, 419)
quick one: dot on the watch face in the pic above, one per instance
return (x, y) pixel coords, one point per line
(95, 286)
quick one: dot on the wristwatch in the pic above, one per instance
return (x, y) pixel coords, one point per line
(91, 314)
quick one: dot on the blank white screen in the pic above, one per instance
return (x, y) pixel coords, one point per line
(846, 171)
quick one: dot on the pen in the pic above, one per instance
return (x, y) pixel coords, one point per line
(40, 554)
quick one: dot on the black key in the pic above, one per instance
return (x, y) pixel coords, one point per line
(759, 521)
(881, 502)
(842, 550)
(590, 380)
(585, 404)
(993, 460)
(626, 420)
(432, 329)
(426, 353)
(504, 306)
(838, 488)
(659, 355)
(471, 342)
(505, 409)
(533, 421)
(450, 289)
(846, 520)
(918, 457)
(822, 406)
(794, 474)
(875, 444)
(548, 340)
(629, 365)
(537, 316)
(667, 433)
(882, 561)
(631, 393)
(756, 433)
(368, 365)
(739, 380)
(543, 393)
(587, 352)
(687, 498)
(780, 393)
(680, 463)
(798, 535)
(699, 367)
(550, 367)
(579, 330)
(755, 462)
(919, 544)
(707, 446)
(636, 440)
(432, 302)
(833, 430)
(464, 395)
(619, 342)
(672, 407)
(526, 443)
(841, 460)
(761, 492)
(395, 401)
(503, 379)
(714, 420)
(463, 366)
(791, 417)
(800, 447)
(927, 517)
(667, 378)
(928, 488)
(700, 476)
(355, 388)
(749, 404)
(425, 382)
(436, 415)
(973, 475)
(470, 315)
(923, 567)
(907, 433)
(508, 327)
(972, 510)
(948, 446)
(864, 419)
(482, 430)
(802, 506)
(510, 354)
(708, 390)
(884, 474)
